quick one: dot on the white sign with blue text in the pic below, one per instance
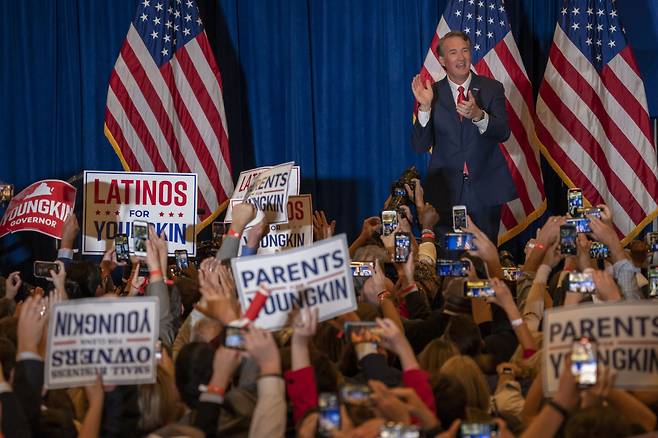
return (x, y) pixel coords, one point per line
(318, 276)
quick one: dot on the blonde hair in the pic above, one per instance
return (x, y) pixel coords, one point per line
(434, 355)
(158, 402)
(468, 373)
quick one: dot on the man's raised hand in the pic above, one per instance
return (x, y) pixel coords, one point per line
(423, 92)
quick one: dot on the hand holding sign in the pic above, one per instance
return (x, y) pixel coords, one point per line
(243, 213)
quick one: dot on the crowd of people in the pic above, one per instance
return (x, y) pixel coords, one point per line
(440, 364)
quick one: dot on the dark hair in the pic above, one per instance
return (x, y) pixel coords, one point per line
(7, 356)
(450, 399)
(56, 423)
(87, 276)
(189, 294)
(451, 34)
(9, 327)
(597, 421)
(193, 367)
(465, 334)
(7, 307)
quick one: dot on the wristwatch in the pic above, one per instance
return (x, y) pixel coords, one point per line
(481, 117)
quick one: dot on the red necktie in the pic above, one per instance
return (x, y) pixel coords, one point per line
(461, 98)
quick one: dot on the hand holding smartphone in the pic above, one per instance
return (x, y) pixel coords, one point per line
(584, 361)
(140, 234)
(402, 247)
(122, 248)
(459, 219)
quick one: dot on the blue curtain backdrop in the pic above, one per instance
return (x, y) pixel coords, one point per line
(325, 83)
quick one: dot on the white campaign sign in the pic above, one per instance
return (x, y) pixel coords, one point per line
(247, 178)
(316, 276)
(110, 337)
(296, 233)
(626, 335)
(113, 200)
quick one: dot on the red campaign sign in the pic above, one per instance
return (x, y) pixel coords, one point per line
(41, 207)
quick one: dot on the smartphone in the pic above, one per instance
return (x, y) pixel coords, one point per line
(478, 289)
(452, 268)
(402, 247)
(592, 211)
(329, 419)
(568, 235)
(459, 220)
(574, 201)
(581, 282)
(182, 260)
(140, 236)
(511, 273)
(653, 281)
(652, 241)
(459, 241)
(122, 247)
(389, 222)
(362, 331)
(355, 394)
(362, 269)
(599, 250)
(478, 430)
(398, 430)
(234, 338)
(581, 224)
(6, 192)
(42, 269)
(217, 230)
(584, 361)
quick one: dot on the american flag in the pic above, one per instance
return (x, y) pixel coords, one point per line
(495, 55)
(592, 115)
(165, 110)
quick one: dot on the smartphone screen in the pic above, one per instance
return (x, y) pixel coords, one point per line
(6, 192)
(478, 289)
(122, 247)
(459, 218)
(217, 230)
(568, 239)
(452, 268)
(599, 250)
(362, 269)
(584, 362)
(459, 241)
(652, 241)
(329, 419)
(42, 269)
(511, 273)
(356, 394)
(478, 430)
(234, 338)
(182, 261)
(574, 201)
(389, 222)
(653, 281)
(362, 331)
(140, 236)
(581, 224)
(581, 282)
(402, 247)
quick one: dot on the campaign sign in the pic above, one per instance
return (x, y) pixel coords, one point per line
(114, 200)
(625, 335)
(42, 207)
(315, 276)
(114, 338)
(296, 233)
(247, 182)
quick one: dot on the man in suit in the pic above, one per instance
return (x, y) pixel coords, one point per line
(463, 118)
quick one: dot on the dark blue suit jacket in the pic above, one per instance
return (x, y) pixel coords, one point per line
(454, 142)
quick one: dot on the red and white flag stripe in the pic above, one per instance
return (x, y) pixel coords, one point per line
(595, 128)
(171, 119)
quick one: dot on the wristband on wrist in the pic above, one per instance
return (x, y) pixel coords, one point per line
(539, 245)
(427, 236)
(213, 389)
(156, 272)
(516, 322)
(233, 233)
(559, 408)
